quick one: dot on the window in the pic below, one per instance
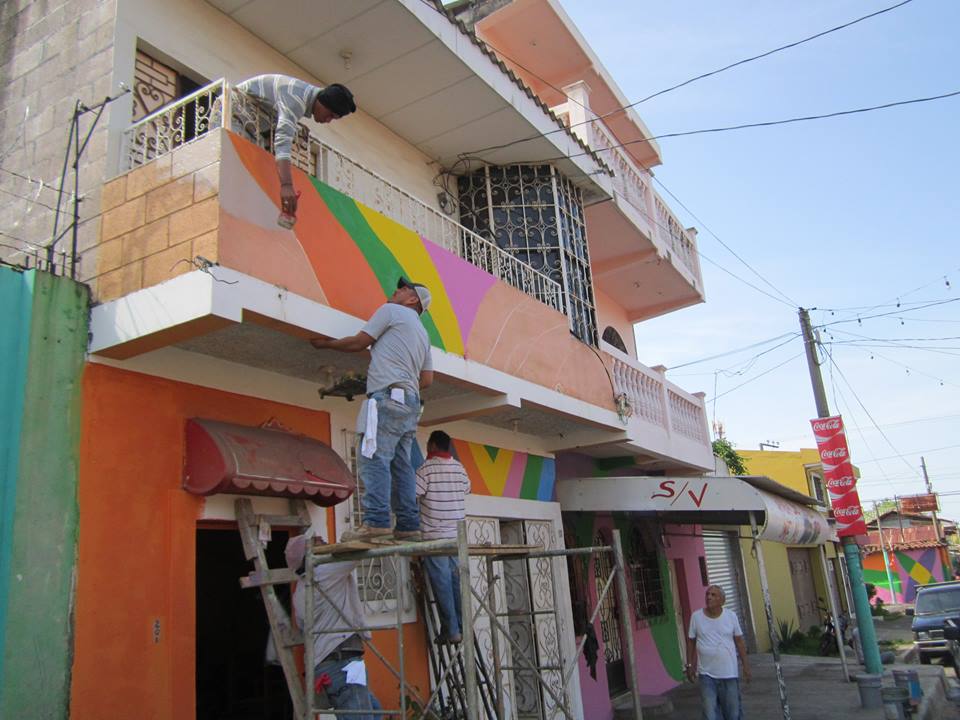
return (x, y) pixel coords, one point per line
(612, 337)
(817, 488)
(644, 562)
(536, 214)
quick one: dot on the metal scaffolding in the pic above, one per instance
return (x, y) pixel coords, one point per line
(473, 606)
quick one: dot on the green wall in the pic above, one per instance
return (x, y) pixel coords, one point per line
(41, 362)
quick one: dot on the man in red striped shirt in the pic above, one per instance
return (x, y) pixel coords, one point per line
(442, 485)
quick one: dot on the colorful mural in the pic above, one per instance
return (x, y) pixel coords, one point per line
(909, 570)
(348, 256)
(506, 473)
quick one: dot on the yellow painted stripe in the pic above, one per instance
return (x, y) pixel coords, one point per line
(407, 248)
(494, 472)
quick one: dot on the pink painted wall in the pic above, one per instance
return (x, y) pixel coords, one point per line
(658, 656)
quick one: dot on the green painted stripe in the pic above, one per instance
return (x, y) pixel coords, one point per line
(385, 266)
(16, 298)
(530, 487)
(492, 452)
(666, 634)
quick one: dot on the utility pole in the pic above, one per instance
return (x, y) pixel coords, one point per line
(851, 551)
(926, 479)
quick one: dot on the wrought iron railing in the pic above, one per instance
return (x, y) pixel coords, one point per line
(194, 115)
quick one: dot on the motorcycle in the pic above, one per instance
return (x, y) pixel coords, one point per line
(828, 637)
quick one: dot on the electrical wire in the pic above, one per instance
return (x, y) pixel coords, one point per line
(756, 377)
(887, 314)
(872, 421)
(761, 343)
(32, 201)
(729, 249)
(689, 81)
(765, 123)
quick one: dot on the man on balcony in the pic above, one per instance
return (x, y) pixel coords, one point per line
(292, 99)
(400, 366)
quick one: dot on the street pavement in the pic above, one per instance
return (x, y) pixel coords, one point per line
(815, 691)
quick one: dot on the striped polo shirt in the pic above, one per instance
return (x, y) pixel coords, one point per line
(442, 484)
(291, 98)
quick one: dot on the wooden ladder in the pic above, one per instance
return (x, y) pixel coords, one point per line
(285, 634)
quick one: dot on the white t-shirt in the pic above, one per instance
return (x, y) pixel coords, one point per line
(716, 652)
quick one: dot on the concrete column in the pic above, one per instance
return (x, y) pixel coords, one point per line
(578, 107)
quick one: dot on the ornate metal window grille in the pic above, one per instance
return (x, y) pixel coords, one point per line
(609, 626)
(535, 213)
(644, 562)
(612, 337)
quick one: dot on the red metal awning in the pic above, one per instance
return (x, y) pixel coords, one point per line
(226, 458)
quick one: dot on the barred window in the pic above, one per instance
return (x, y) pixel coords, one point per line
(577, 567)
(644, 562)
(535, 213)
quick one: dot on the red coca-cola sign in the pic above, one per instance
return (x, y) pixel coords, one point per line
(838, 474)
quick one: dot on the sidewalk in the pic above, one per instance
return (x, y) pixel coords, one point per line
(815, 691)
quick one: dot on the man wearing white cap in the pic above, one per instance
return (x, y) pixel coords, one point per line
(400, 366)
(338, 656)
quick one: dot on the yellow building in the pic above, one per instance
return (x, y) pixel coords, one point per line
(795, 573)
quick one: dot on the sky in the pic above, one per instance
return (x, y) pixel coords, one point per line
(852, 212)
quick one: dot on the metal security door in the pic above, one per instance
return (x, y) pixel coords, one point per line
(722, 553)
(609, 625)
(801, 574)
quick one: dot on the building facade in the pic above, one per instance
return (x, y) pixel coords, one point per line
(540, 257)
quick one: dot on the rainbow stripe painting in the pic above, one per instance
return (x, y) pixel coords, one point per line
(348, 256)
(507, 473)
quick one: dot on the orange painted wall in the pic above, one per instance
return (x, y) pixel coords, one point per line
(136, 564)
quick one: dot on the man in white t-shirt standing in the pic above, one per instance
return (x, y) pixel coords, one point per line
(714, 643)
(400, 367)
(442, 485)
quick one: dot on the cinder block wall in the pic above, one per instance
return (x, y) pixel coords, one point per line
(52, 53)
(156, 219)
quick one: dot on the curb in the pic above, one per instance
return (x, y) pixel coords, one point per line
(934, 702)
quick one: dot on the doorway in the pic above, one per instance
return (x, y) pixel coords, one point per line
(804, 591)
(233, 680)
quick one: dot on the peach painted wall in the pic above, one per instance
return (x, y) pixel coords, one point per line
(134, 647)
(609, 312)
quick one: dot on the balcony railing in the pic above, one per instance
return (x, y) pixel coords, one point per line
(634, 185)
(194, 115)
(650, 397)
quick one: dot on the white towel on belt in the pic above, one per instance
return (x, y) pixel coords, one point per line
(368, 445)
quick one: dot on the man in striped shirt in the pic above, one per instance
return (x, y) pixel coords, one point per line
(442, 485)
(293, 99)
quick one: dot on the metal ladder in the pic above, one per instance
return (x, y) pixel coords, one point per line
(452, 703)
(285, 634)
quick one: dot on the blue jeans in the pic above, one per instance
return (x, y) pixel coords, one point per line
(388, 477)
(721, 698)
(347, 697)
(444, 574)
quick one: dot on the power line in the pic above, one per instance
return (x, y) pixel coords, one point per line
(685, 82)
(33, 201)
(860, 403)
(702, 224)
(755, 377)
(887, 314)
(737, 277)
(901, 295)
(766, 123)
(915, 452)
(761, 343)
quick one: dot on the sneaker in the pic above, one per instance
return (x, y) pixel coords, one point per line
(364, 533)
(408, 535)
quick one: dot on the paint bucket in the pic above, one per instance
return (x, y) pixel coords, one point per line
(909, 679)
(894, 699)
(869, 686)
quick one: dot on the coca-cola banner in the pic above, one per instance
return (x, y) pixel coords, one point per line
(838, 475)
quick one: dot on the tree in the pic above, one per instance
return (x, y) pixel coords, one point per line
(735, 462)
